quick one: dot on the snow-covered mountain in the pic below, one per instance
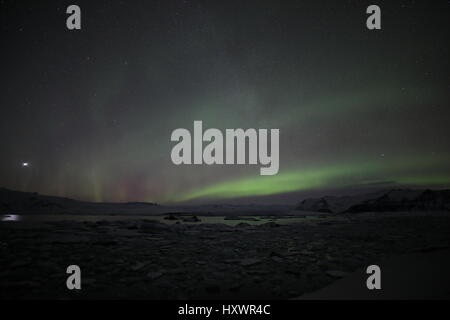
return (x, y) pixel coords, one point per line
(382, 201)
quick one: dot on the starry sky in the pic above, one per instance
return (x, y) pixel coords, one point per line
(88, 114)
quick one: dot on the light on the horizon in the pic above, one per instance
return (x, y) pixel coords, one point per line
(10, 217)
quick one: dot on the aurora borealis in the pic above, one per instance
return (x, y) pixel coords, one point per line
(91, 111)
(359, 173)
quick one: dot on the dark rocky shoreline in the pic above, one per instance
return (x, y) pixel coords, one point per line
(151, 260)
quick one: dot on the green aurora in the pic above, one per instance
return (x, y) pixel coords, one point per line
(327, 177)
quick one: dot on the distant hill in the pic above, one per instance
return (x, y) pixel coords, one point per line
(17, 202)
(32, 202)
(382, 201)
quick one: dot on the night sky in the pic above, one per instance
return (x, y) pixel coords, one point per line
(91, 111)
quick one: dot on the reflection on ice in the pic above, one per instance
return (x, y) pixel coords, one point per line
(10, 217)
